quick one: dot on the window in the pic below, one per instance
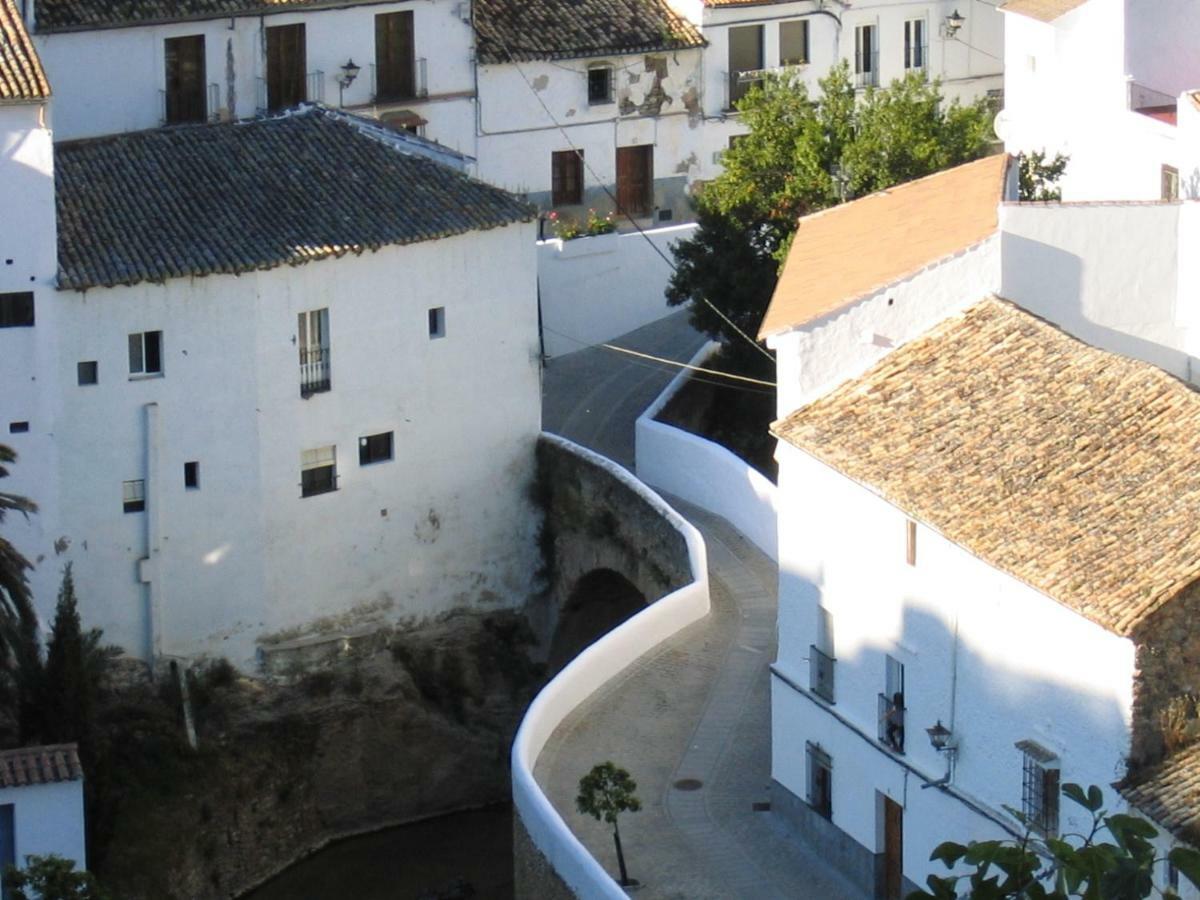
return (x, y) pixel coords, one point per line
(821, 658)
(286, 67)
(635, 179)
(145, 353)
(866, 56)
(88, 372)
(914, 45)
(600, 84)
(437, 322)
(1040, 787)
(318, 471)
(910, 542)
(312, 337)
(185, 92)
(820, 780)
(793, 43)
(566, 177)
(191, 475)
(375, 448)
(891, 706)
(16, 309)
(395, 57)
(133, 495)
(745, 55)
(1170, 183)
(18, 427)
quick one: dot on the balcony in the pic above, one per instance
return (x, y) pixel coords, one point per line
(314, 371)
(866, 70)
(821, 673)
(418, 89)
(211, 113)
(891, 723)
(314, 92)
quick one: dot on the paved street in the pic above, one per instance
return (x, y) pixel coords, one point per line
(690, 719)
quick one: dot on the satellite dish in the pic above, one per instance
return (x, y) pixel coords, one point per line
(1002, 125)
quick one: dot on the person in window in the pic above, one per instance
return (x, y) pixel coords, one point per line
(894, 719)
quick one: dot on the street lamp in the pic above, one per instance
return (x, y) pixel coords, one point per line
(349, 73)
(953, 23)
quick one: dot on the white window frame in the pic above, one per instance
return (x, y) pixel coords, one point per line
(133, 495)
(913, 48)
(611, 93)
(866, 65)
(323, 457)
(139, 353)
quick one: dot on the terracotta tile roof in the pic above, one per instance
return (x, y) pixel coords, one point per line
(75, 15)
(847, 252)
(1170, 794)
(39, 765)
(1042, 10)
(22, 79)
(1070, 468)
(203, 199)
(566, 29)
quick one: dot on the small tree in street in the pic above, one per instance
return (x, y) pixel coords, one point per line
(50, 878)
(604, 793)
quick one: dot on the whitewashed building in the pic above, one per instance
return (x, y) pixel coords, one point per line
(986, 526)
(287, 386)
(41, 805)
(127, 67)
(1108, 83)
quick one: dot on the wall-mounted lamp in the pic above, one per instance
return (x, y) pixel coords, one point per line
(349, 73)
(942, 740)
(952, 24)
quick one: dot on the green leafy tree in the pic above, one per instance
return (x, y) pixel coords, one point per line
(604, 793)
(1058, 868)
(1039, 178)
(20, 650)
(50, 878)
(802, 155)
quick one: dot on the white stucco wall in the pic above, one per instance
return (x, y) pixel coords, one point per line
(445, 524)
(110, 80)
(994, 660)
(594, 289)
(48, 818)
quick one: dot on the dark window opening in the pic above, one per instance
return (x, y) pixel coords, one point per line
(312, 338)
(891, 706)
(88, 372)
(145, 353)
(1039, 787)
(820, 780)
(286, 67)
(437, 322)
(191, 475)
(186, 82)
(395, 57)
(566, 177)
(133, 495)
(600, 85)
(18, 427)
(745, 57)
(793, 43)
(375, 448)
(318, 471)
(16, 310)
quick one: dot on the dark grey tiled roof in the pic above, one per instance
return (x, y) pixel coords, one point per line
(204, 199)
(1170, 794)
(521, 30)
(74, 15)
(21, 77)
(39, 765)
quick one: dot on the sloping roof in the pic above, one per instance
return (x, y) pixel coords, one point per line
(1070, 468)
(203, 199)
(1042, 10)
(39, 765)
(520, 30)
(847, 252)
(1170, 794)
(76, 15)
(22, 79)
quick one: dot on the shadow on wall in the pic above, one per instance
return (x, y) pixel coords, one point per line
(600, 601)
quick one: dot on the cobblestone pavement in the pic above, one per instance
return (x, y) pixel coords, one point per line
(695, 708)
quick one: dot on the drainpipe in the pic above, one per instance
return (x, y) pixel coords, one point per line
(148, 565)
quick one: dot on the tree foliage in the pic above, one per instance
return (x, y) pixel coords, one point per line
(605, 793)
(20, 659)
(1057, 868)
(1039, 178)
(50, 878)
(802, 155)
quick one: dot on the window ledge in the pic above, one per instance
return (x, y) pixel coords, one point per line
(145, 376)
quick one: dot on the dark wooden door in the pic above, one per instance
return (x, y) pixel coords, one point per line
(186, 89)
(635, 179)
(893, 849)
(286, 67)
(395, 57)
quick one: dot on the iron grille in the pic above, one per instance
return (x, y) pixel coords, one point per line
(821, 673)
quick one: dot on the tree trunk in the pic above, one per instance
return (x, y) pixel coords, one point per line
(620, 856)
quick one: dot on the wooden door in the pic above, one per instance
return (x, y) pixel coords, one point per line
(893, 849)
(287, 67)
(186, 99)
(395, 56)
(635, 179)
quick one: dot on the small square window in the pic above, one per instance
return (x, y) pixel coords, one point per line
(18, 427)
(134, 495)
(191, 475)
(318, 471)
(437, 322)
(88, 372)
(145, 353)
(600, 85)
(375, 448)
(16, 310)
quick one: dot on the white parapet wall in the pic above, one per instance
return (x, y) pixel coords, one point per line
(595, 288)
(687, 466)
(586, 674)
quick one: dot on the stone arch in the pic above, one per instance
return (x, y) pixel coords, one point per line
(599, 601)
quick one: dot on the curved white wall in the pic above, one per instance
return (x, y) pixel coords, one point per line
(591, 670)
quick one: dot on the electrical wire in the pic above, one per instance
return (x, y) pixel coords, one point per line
(616, 204)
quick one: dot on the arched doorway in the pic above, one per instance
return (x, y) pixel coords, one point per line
(600, 601)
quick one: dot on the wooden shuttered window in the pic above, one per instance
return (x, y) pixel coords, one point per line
(286, 67)
(566, 177)
(635, 179)
(395, 57)
(185, 91)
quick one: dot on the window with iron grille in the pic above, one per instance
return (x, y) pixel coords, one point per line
(820, 779)
(1040, 787)
(318, 471)
(600, 84)
(566, 177)
(312, 337)
(821, 659)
